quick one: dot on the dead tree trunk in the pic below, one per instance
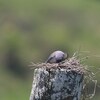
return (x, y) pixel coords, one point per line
(57, 83)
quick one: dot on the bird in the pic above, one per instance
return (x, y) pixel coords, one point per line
(57, 57)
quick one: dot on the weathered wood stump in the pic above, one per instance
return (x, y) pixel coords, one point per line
(58, 81)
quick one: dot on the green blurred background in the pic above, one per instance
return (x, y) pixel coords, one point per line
(31, 29)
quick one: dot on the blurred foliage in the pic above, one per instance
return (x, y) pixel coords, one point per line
(31, 29)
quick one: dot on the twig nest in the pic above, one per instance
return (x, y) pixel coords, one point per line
(71, 64)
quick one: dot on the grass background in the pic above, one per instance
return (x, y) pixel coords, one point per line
(31, 29)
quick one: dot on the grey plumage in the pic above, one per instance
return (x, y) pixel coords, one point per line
(56, 57)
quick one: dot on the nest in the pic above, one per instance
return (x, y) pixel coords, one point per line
(71, 64)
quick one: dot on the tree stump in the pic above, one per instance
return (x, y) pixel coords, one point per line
(58, 81)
